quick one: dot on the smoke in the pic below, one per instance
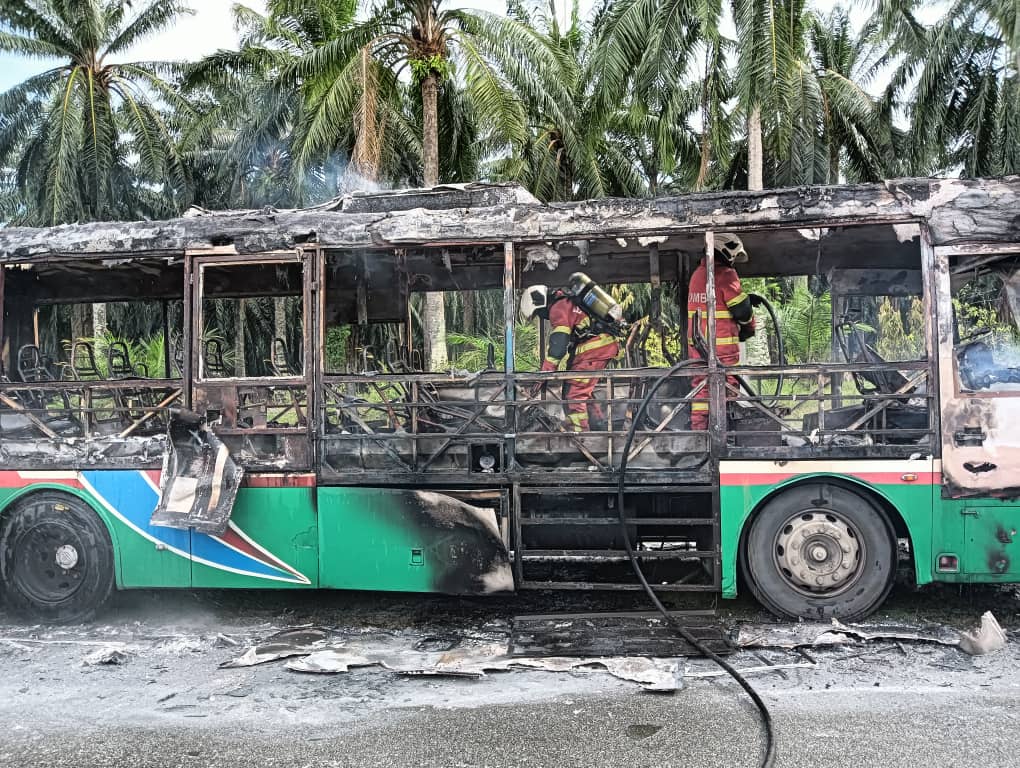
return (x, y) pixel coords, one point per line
(337, 176)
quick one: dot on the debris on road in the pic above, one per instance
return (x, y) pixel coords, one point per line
(105, 656)
(297, 641)
(330, 662)
(808, 635)
(987, 638)
(463, 659)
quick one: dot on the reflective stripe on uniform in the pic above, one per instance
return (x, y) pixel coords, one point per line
(597, 343)
(720, 341)
(561, 329)
(699, 405)
(737, 299)
(578, 421)
(720, 314)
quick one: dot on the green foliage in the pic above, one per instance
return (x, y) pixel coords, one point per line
(899, 333)
(806, 319)
(981, 310)
(91, 137)
(430, 65)
(337, 338)
(475, 349)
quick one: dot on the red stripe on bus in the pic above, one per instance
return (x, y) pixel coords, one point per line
(14, 479)
(233, 539)
(279, 481)
(874, 478)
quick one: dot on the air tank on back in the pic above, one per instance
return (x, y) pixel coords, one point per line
(593, 297)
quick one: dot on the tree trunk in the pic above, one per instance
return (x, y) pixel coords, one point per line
(706, 156)
(430, 128)
(434, 328)
(239, 346)
(434, 315)
(99, 334)
(280, 330)
(363, 170)
(81, 322)
(470, 299)
(833, 162)
(706, 125)
(755, 158)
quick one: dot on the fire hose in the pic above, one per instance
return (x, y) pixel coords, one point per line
(766, 717)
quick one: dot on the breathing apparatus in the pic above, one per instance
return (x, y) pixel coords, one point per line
(587, 295)
(597, 303)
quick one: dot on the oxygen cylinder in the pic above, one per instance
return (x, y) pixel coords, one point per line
(598, 302)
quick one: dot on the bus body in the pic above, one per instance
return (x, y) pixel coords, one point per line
(294, 336)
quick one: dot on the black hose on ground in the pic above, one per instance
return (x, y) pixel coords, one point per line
(770, 744)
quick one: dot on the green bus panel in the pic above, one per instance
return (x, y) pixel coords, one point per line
(274, 526)
(371, 538)
(983, 534)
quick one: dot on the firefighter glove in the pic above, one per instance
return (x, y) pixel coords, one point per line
(746, 331)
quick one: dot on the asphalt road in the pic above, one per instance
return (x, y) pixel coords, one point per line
(700, 727)
(169, 704)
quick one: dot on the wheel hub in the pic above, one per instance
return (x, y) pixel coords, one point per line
(49, 564)
(818, 551)
(66, 556)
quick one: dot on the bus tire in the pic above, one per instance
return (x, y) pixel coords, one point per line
(56, 559)
(820, 551)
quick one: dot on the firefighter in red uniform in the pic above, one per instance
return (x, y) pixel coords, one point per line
(578, 333)
(734, 315)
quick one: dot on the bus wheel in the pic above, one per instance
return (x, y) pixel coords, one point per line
(56, 559)
(820, 551)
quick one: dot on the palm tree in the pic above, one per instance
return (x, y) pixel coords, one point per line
(799, 82)
(87, 136)
(575, 148)
(439, 45)
(965, 109)
(261, 138)
(645, 54)
(830, 116)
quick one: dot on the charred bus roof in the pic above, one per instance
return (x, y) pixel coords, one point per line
(451, 237)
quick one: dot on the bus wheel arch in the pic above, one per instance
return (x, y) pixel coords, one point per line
(57, 558)
(821, 548)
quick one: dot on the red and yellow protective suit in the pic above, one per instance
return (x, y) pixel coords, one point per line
(734, 322)
(588, 352)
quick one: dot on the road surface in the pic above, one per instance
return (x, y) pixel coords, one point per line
(883, 703)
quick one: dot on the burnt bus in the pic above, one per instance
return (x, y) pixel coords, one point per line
(240, 399)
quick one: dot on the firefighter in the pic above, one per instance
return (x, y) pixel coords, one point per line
(586, 341)
(734, 315)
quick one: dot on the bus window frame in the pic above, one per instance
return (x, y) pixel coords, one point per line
(943, 254)
(198, 261)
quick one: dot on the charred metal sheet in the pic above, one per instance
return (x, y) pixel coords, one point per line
(954, 209)
(477, 561)
(296, 641)
(310, 650)
(83, 453)
(200, 479)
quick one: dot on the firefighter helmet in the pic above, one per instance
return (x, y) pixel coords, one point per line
(730, 247)
(535, 298)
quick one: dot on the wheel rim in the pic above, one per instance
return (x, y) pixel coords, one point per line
(49, 562)
(819, 553)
